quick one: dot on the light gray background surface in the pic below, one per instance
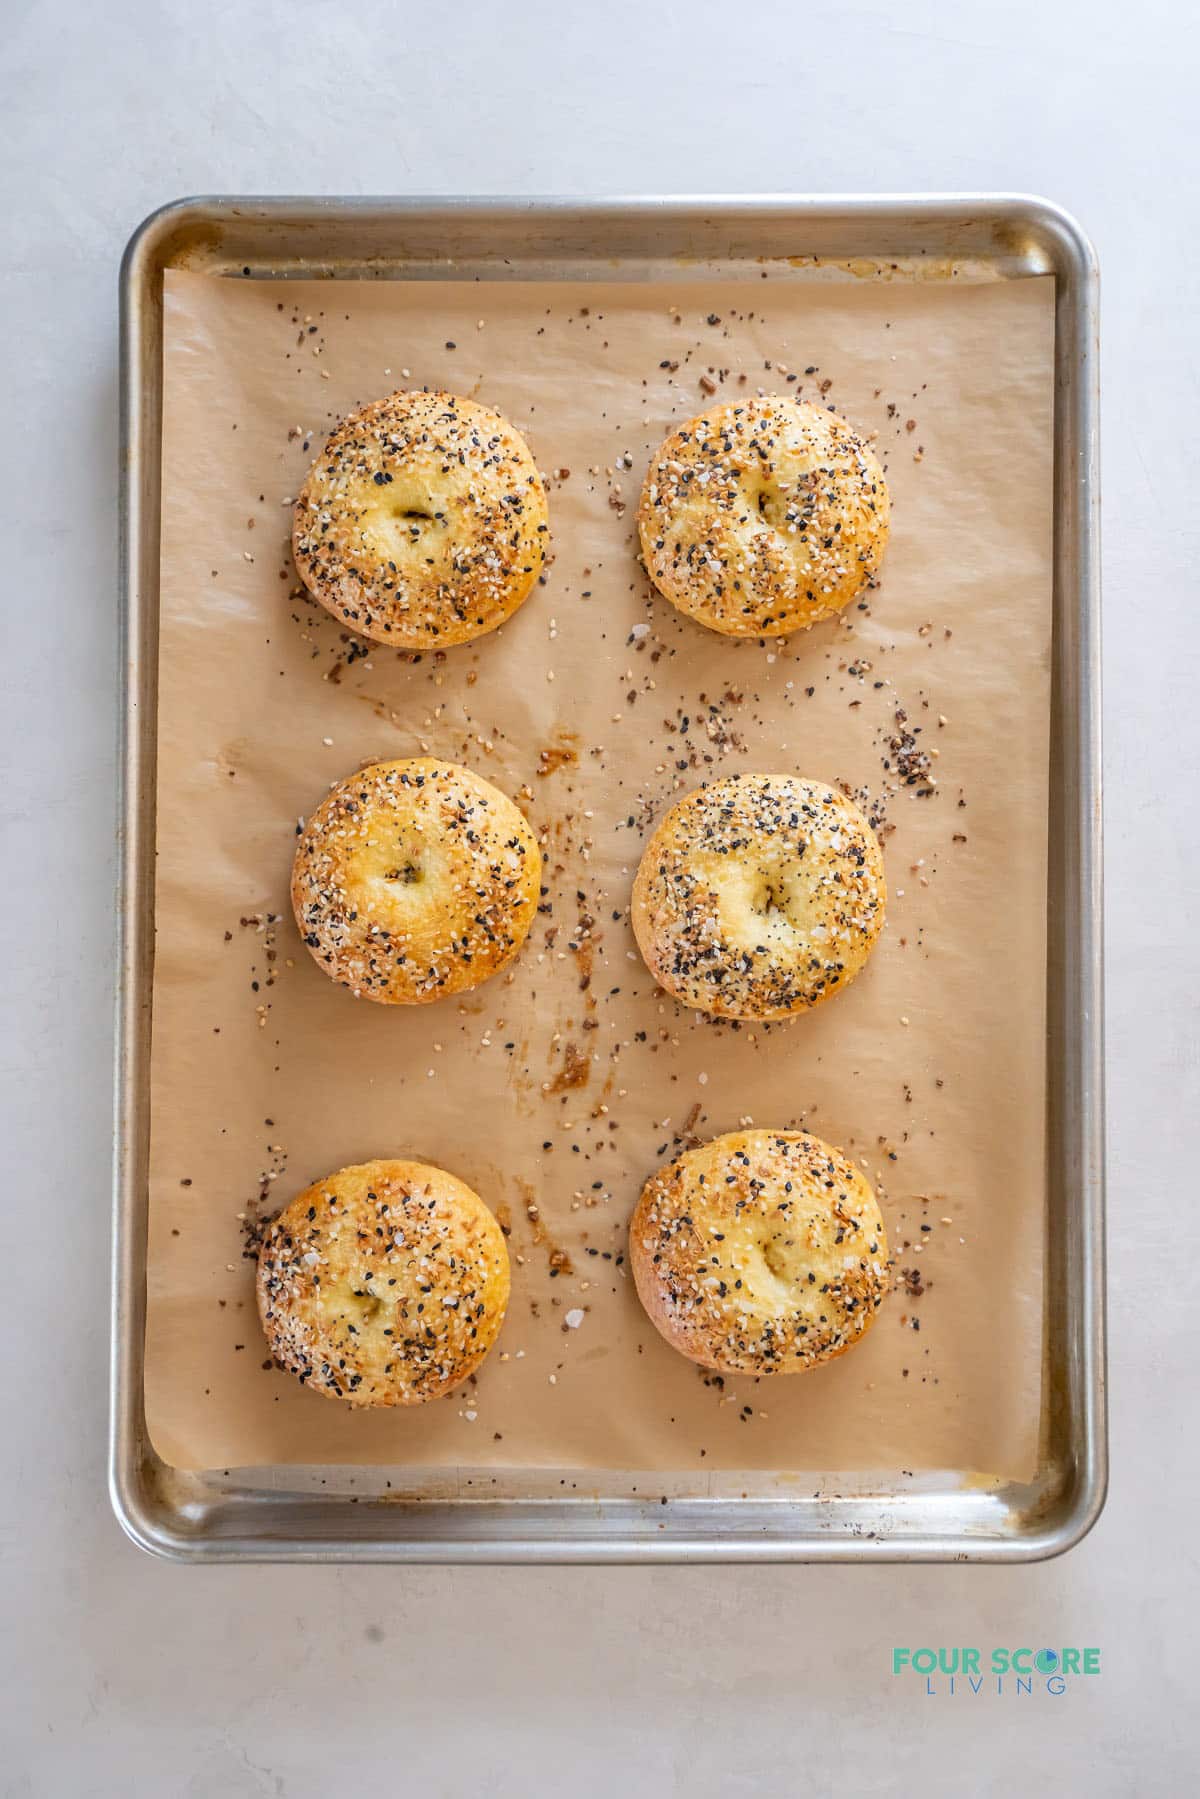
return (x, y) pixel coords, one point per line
(126, 1677)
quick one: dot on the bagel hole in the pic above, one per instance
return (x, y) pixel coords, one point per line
(406, 874)
(783, 512)
(773, 1256)
(362, 1305)
(771, 901)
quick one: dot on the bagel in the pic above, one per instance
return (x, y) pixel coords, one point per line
(763, 516)
(385, 1284)
(422, 523)
(758, 896)
(414, 880)
(761, 1252)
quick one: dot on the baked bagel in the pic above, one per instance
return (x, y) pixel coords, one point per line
(763, 516)
(759, 896)
(423, 521)
(413, 880)
(762, 1252)
(385, 1284)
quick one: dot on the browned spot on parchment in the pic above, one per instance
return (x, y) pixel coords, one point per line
(575, 1071)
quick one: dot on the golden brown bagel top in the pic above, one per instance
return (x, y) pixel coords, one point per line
(762, 1252)
(384, 1284)
(763, 516)
(759, 896)
(415, 879)
(422, 522)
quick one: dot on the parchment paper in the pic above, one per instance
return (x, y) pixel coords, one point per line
(594, 707)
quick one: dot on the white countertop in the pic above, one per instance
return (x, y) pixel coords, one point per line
(125, 1676)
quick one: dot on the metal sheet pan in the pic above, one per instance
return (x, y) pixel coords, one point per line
(391, 1515)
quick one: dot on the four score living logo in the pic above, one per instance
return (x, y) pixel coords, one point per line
(952, 1672)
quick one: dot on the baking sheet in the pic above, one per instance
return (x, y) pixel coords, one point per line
(931, 1068)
